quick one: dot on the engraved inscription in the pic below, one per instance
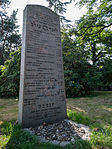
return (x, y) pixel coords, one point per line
(42, 97)
(43, 27)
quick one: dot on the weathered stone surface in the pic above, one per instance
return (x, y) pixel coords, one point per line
(42, 97)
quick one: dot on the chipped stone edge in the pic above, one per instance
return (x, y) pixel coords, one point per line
(63, 143)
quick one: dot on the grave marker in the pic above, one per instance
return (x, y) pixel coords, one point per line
(42, 96)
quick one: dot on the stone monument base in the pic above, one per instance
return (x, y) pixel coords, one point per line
(62, 133)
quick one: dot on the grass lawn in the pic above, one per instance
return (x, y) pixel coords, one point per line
(94, 111)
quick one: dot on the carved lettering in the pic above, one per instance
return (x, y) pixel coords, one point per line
(42, 97)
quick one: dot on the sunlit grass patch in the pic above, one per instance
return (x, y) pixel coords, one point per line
(3, 141)
(15, 137)
(78, 117)
(8, 109)
(102, 138)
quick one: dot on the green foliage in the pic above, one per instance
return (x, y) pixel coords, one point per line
(107, 74)
(81, 144)
(10, 39)
(17, 138)
(59, 7)
(97, 44)
(94, 29)
(87, 49)
(80, 76)
(79, 118)
(9, 79)
(7, 128)
(102, 138)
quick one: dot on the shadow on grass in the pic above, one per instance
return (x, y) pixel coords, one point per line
(98, 109)
(95, 94)
(101, 136)
(17, 138)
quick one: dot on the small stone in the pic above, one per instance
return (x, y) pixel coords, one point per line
(64, 143)
(42, 139)
(96, 129)
(16, 121)
(72, 139)
(44, 124)
(65, 131)
(82, 130)
(55, 142)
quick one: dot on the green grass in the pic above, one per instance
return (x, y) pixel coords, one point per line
(102, 138)
(93, 111)
(101, 135)
(78, 117)
(13, 137)
(8, 109)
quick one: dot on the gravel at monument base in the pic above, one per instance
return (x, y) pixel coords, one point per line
(62, 133)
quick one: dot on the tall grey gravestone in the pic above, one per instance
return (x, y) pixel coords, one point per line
(42, 96)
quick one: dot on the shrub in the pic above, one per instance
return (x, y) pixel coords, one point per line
(10, 75)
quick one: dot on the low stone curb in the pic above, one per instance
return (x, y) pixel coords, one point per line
(43, 140)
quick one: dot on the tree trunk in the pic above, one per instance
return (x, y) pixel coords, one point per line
(1, 57)
(94, 54)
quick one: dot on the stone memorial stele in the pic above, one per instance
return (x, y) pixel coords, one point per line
(42, 95)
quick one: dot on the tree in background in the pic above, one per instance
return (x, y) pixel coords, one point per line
(59, 7)
(81, 77)
(94, 29)
(93, 36)
(9, 79)
(10, 39)
(87, 50)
